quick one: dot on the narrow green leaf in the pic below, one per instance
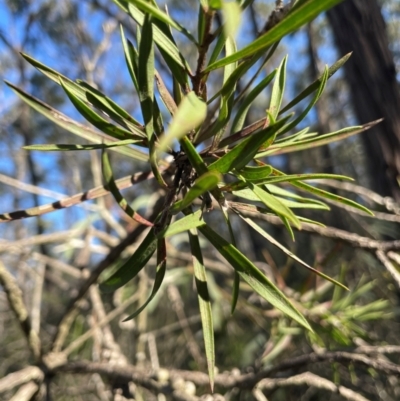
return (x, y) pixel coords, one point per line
(274, 204)
(133, 265)
(204, 303)
(288, 226)
(68, 147)
(245, 151)
(227, 98)
(241, 114)
(204, 183)
(294, 20)
(232, 17)
(186, 223)
(177, 71)
(130, 56)
(314, 100)
(255, 173)
(195, 159)
(302, 205)
(316, 84)
(160, 38)
(109, 107)
(253, 276)
(146, 75)
(72, 126)
(87, 93)
(112, 187)
(160, 274)
(244, 133)
(190, 114)
(204, 4)
(319, 140)
(147, 7)
(296, 137)
(325, 194)
(95, 119)
(276, 243)
(235, 186)
(235, 291)
(219, 45)
(201, 22)
(278, 89)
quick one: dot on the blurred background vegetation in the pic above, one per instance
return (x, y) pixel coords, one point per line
(50, 256)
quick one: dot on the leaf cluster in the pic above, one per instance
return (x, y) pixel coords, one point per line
(204, 160)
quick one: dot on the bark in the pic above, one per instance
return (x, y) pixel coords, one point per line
(358, 26)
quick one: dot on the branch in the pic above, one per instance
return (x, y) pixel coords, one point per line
(229, 380)
(93, 193)
(26, 392)
(15, 379)
(311, 380)
(354, 240)
(15, 299)
(389, 266)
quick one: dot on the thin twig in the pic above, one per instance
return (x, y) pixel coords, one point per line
(389, 266)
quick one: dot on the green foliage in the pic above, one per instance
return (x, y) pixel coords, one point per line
(208, 165)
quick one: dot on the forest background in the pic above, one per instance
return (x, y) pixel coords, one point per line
(260, 354)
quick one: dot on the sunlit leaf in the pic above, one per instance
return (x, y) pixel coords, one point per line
(255, 173)
(95, 119)
(235, 186)
(186, 223)
(325, 194)
(316, 84)
(314, 100)
(70, 147)
(159, 37)
(319, 140)
(147, 7)
(190, 114)
(294, 20)
(232, 16)
(278, 90)
(72, 126)
(240, 115)
(274, 204)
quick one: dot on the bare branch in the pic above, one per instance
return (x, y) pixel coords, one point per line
(93, 193)
(15, 379)
(331, 232)
(389, 266)
(311, 380)
(26, 392)
(14, 296)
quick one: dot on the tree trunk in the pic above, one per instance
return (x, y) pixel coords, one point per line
(358, 26)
